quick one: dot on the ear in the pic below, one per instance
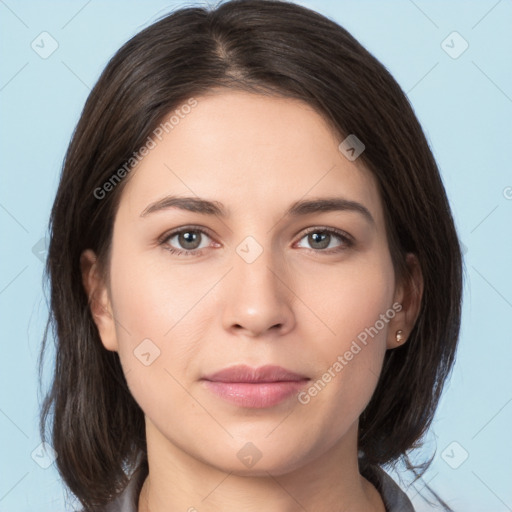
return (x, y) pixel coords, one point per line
(409, 294)
(99, 300)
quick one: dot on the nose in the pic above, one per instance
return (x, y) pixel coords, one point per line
(258, 297)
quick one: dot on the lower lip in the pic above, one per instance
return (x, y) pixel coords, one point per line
(255, 395)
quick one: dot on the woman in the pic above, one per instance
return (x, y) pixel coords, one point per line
(255, 275)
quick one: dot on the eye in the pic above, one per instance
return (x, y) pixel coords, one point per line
(189, 241)
(320, 239)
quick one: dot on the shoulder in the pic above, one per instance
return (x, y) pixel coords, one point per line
(393, 497)
(127, 500)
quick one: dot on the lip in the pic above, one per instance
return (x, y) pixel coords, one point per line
(244, 373)
(257, 388)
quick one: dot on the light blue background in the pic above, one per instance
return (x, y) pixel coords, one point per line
(465, 107)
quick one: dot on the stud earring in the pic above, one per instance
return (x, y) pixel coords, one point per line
(399, 337)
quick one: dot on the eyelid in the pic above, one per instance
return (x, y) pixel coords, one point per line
(336, 231)
(182, 229)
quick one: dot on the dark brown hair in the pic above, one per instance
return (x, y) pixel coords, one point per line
(267, 47)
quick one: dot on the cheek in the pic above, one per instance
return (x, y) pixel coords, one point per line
(152, 296)
(158, 316)
(355, 306)
(348, 298)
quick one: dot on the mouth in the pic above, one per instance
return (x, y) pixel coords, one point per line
(258, 388)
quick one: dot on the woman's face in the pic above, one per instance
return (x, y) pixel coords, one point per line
(266, 282)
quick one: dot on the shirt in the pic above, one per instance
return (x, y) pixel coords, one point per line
(395, 500)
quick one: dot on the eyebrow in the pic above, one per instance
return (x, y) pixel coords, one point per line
(299, 208)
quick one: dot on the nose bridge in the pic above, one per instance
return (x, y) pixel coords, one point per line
(255, 267)
(257, 298)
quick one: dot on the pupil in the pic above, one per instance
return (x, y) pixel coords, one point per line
(322, 239)
(188, 240)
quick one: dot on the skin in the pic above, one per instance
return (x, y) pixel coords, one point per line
(294, 306)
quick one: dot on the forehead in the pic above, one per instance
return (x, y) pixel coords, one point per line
(248, 151)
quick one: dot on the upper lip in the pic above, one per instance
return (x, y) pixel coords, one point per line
(244, 373)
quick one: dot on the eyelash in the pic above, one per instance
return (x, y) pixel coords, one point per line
(345, 239)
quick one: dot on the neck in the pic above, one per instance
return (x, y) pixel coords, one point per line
(328, 483)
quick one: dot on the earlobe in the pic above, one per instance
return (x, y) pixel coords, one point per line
(409, 295)
(400, 336)
(98, 299)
